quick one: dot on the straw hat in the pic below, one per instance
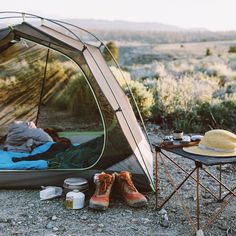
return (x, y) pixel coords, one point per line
(218, 143)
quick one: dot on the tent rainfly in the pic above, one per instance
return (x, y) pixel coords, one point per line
(50, 76)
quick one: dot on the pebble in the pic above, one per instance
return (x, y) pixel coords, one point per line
(145, 220)
(164, 218)
(54, 218)
(128, 211)
(49, 226)
(55, 229)
(162, 212)
(134, 220)
(199, 233)
(5, 220)
(83, 217)
(101, 225)
(99, 230)
(223, 226)
(164, 223)
(134, 228)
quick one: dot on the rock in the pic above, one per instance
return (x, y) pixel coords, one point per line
(31, 205)
(101, 225)
(145, 220)
(134, 220)
(223, 226)
(199, 233)
(54, 218)
(49, 226)
(134, 228)
(164, 223)
(84, 218)
(55, 229)
(164, 218)
(128, 211)
(5, 220)
(162, 212)
(99, 230)
(13, 222)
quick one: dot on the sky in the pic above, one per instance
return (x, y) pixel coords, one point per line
(215, 15)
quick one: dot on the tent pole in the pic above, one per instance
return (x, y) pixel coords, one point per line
(43, 83)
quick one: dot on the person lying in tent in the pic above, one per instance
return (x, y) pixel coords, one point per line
(24, 136)
(63, 155)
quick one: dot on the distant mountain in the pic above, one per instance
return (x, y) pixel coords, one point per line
(118, 25)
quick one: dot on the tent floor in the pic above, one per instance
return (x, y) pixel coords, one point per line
(33, 179)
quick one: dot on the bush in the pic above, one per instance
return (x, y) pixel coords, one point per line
(232, 49)
(143, 97)
(76, 97)
(203, 117)
(187, 104)
(113, 49)
(208, 52)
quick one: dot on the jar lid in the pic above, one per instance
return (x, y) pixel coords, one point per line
(75, 181)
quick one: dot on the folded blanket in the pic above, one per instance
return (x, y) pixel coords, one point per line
(24, 137)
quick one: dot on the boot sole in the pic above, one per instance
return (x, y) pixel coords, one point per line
(136, 204)
(98, 207)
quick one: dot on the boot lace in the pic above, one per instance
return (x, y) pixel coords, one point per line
(105, 181)
(127, 178)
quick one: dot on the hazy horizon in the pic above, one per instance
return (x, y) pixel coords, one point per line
(214, 15)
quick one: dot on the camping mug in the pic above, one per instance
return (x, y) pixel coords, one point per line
(178, 134)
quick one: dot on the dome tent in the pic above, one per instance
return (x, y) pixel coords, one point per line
(51, 76)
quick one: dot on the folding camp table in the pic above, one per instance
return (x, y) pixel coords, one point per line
(199, 162)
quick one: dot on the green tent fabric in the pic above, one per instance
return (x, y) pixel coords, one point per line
(78, 156)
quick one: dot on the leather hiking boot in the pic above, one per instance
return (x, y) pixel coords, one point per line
(100, 199)
(128, 191)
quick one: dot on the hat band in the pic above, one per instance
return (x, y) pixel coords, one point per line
(201, 146)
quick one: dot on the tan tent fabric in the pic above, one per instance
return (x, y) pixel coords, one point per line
(127, 120)
(57, 35)
(90, 56)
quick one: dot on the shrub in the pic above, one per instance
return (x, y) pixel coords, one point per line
(203, 117)
(232, 49)
(143, 97)
(113, 49)
(208, 52)
(76, 97)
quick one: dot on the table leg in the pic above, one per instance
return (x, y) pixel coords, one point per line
(177, 188)
(198, 198)
(156, 183)
(220, 187)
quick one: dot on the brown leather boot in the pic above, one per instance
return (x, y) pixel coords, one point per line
(100, 199)
(128, 191)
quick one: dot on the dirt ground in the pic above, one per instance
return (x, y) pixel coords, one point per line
(22, 212)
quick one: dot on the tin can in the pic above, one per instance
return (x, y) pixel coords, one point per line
(71, 184)
(75, 199)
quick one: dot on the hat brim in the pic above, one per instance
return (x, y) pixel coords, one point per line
(199, 151)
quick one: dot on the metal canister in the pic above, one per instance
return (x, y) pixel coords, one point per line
(71, 184)
(75, 199)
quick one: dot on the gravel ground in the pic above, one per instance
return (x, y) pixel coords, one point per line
(22, 212)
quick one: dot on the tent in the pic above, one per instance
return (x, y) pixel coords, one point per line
(49, 75)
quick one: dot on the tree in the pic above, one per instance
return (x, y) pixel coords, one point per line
(113, 49)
